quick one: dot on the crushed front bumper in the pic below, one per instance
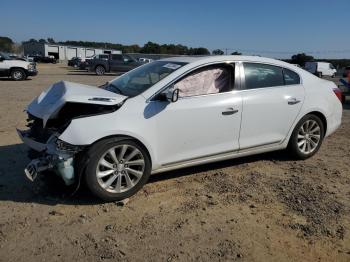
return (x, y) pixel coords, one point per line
(51, 158)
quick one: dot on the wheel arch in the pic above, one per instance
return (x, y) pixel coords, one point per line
(104, 66)
(17, 67)
(321, 116)
(311, 112)
(123, 137)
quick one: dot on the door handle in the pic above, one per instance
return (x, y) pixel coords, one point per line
(293, 101)
(229, 111)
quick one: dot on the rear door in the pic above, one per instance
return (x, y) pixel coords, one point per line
(116, 63)
(272, 98)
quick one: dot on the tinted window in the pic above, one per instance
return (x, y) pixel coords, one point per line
(261, 75)
(290, 78)
(117, 57)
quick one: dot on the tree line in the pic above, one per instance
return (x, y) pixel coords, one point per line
(8, 45)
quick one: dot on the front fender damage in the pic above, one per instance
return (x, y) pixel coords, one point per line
(55, 155)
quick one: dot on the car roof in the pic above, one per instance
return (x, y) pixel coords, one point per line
(200, 60)
(223, 58)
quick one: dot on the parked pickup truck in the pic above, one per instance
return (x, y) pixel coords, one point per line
(16, 69)
(115, 63)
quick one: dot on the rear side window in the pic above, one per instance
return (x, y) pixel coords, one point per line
(290, 77)
(261, 75)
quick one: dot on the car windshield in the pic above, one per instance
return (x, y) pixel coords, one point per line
(140, 79)
(5, 56)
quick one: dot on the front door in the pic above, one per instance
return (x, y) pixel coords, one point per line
(205, 121)
(4, 67)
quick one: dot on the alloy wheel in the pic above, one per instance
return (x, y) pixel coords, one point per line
(120, 168)
(17, 75)
(100, 70)
(309, 136)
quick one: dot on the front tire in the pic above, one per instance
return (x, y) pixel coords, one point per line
(18, 74)
(307, 137)
(100, 70)
(117, 169)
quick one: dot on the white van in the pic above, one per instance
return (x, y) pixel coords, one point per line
(321, 68)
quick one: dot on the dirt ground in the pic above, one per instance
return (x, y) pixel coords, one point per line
(261, 208)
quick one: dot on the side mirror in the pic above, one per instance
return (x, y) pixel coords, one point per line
(172, 95)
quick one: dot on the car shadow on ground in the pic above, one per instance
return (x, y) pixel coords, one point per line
(10, 79)
(49, 189)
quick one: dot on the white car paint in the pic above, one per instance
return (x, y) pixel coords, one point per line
(193, 130)
(7, 64)
(48, 103)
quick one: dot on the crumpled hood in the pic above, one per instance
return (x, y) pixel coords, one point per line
(49, 102)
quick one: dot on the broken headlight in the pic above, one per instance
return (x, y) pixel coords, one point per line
(64, 146)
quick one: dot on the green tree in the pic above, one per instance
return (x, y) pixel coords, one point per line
(236, 53)
(6, 44)
(150, 48)
(50, 40)
(301, 59)
(198, 51)
(218, 52)
(42, 40)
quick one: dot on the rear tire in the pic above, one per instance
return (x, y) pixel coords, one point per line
(18, 74)
(100, 70)
(307, 137)
(117, 169)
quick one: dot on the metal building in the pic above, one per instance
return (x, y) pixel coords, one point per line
(63, 52)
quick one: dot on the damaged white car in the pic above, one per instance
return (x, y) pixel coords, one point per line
(175, 113)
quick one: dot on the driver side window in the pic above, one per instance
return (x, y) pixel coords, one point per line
(207, 80)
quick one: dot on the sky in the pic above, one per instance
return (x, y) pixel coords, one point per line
(270, 28)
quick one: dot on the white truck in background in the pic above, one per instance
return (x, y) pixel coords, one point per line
(321, 68)
(15, 68)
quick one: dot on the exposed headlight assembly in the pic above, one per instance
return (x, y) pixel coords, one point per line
(64, 146)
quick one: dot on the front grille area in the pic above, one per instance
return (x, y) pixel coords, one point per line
(37, 130)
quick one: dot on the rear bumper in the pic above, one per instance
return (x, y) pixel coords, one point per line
(334, 120)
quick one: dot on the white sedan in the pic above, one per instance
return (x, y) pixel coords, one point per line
(175, 113)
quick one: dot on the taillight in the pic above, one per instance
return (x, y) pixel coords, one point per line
(339, 94)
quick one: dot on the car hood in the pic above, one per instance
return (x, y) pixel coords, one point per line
(49, 102)
(18, 63)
